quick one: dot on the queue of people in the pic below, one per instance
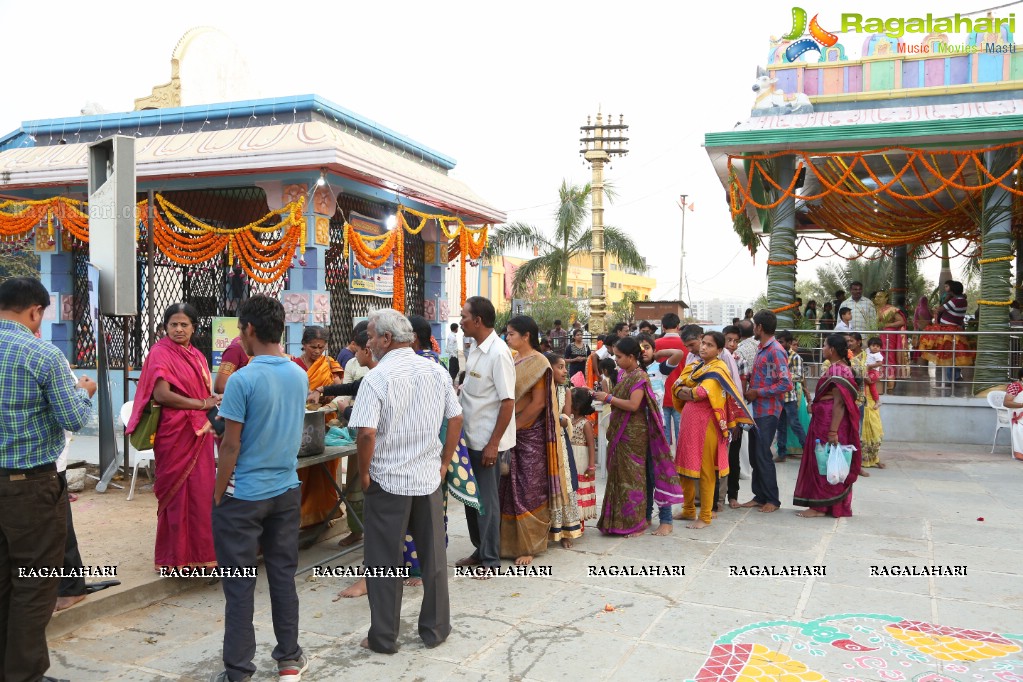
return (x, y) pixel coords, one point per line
(515, 444)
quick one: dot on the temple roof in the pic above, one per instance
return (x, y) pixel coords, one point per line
(259, 136)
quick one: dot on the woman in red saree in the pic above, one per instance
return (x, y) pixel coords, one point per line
(318, 493)
(835, 419)
(176, 375)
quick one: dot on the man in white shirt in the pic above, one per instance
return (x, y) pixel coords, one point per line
(451, 350)
(403, 464)
(864, 315)
(488, 404)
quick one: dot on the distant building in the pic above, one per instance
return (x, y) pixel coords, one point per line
(494, 281)
(717, 311)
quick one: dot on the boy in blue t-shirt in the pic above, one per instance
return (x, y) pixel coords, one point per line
(256, 496)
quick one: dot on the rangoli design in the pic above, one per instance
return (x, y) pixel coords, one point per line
(862, 647)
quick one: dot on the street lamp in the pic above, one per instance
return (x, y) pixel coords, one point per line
(599, 143)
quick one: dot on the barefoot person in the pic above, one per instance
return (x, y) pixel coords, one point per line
(488, 403)
(40, 402)
(403, 463)
(711, 406)
(537, 500)
(769, 382)
(835, 419)
(257, 500)
(634, 481)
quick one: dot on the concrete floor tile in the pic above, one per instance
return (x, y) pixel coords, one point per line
(992, 560)
(689, 626)
(630, 616)
(988, 533)
(856, 573)
(827, 599)
(729, 554)
(799, 537)
(658, 664)
(965, 614)
(776, 596)
(878, 549)
(996, 589)
(669, 586)
(555, 654)
(883, 526)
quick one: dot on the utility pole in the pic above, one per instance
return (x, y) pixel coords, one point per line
(682, 249)
(599, 143)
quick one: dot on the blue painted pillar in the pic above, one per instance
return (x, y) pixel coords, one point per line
(305, 298)
(56, 271)
(435, 304)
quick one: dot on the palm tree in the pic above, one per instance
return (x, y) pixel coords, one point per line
(570, 239)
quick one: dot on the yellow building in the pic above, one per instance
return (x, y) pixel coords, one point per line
(495, 280)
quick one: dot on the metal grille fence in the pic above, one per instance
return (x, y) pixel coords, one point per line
(213, 288)
(346, 307)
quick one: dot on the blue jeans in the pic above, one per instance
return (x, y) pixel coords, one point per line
(672, 419)
(765, 478)
(663, 513)
(790, 414)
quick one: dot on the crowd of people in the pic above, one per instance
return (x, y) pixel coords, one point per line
(511, 435)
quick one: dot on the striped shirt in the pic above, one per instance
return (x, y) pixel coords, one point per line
(405, 398)
(40, 399)
(796, 374)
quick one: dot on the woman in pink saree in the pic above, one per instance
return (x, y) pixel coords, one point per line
(835, 419)
(177, 376)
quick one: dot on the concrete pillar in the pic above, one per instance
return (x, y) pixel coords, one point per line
(56, 272)
(995, 283)
(781, 279)
(305, 297)
(436, 308)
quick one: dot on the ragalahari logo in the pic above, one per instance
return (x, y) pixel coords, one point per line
(818, 36)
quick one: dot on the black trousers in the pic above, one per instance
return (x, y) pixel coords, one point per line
(32, 530)
(453, 367)
(388, 518)
(240, 528)
(71, 587)
(733, 463)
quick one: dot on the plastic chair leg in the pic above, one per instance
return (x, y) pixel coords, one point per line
(134, 477)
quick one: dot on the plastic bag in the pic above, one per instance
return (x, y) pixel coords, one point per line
(839, 458)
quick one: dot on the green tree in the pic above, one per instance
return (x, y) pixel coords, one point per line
(546, 309)
(876, 275)
(622, 311)
(570, 239)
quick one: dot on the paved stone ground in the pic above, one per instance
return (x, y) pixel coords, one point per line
(922, 510)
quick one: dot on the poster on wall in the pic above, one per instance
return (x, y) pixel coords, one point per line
(363, 280)
(224, 331)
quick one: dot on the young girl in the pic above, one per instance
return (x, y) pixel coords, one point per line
(585, 453)
(559, 376)
(608, 375)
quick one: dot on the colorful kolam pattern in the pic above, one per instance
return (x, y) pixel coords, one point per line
(862, 647)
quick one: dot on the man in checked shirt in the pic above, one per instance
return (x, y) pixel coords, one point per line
(40, 401)
(769, 382)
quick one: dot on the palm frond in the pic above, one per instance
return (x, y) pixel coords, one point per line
(616, 244)
(572, 211)
(546, 268)
(515, 236)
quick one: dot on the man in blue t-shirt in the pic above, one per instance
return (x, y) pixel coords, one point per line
(257, 498)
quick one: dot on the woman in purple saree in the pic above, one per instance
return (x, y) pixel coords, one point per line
(835, 419)
(634, 429)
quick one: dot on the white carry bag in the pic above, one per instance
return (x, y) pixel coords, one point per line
(839, 457)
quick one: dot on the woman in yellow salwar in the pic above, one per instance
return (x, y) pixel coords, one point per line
(318, 493)
(711, 405)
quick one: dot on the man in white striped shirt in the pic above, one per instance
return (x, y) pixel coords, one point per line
(401, 405)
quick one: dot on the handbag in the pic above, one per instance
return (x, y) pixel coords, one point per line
(144, 435)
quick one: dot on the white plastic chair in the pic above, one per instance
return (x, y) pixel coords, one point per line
(136, 457)
(1003, 418)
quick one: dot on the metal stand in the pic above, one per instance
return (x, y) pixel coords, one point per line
(108, 465)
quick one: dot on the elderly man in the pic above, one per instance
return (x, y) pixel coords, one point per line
(41, 400)
(402, 402)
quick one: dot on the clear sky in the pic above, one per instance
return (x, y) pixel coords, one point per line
(501, 87)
